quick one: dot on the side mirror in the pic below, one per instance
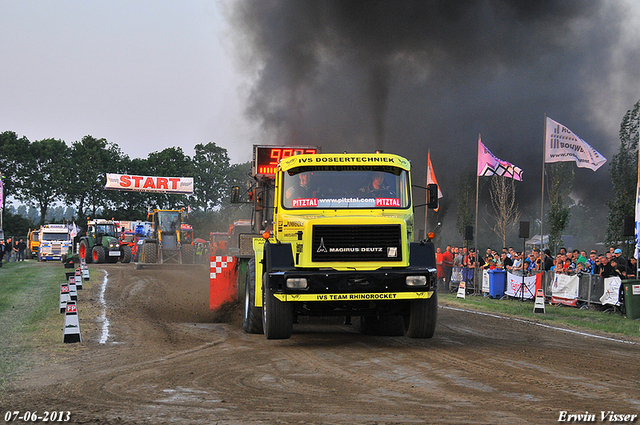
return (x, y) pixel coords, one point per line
(235, 195)
(432, 196)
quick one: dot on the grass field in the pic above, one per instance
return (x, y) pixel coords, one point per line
(29, 313)
(591, 320)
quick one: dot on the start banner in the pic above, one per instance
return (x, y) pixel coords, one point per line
(128, 182)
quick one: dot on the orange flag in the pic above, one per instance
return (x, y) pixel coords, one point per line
(431, 177)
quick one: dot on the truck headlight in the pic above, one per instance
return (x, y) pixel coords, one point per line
(297, 283)
(416, 280)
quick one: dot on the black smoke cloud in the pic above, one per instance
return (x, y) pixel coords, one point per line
(412, 76)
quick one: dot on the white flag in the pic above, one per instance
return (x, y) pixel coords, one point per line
(563, 145)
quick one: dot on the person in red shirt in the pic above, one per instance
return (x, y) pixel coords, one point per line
(447, 260)
(440, 266)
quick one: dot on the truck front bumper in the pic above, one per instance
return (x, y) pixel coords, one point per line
(333, 285)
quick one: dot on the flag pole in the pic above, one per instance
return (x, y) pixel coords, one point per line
(426, 184)
(475, 230)
(544, 153)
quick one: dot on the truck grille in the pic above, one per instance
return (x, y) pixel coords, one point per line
(357, 243)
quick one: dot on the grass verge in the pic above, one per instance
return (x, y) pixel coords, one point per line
(29, 313)
(592, 319)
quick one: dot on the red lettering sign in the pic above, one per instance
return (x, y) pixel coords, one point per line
(387, 202)
(307, 202)
(71, 308)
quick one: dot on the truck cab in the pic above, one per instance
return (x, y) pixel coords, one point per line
(54, 242)
(340, 243)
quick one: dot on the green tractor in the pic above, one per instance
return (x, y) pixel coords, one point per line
(101, 244)
(166, 244)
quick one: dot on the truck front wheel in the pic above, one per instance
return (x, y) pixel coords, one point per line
(252, 319)
(277, 316)
(422, 318)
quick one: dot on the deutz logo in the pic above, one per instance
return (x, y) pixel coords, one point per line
(322, 248)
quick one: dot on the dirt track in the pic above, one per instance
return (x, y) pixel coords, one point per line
(166, 360)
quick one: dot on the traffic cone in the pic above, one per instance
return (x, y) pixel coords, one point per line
(539, 306)
(71, 324)
(461, 291)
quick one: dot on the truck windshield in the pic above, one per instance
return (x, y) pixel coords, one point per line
(338, 187)
(55, 237)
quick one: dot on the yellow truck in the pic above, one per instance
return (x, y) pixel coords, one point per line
(337, 240)
(34, 243)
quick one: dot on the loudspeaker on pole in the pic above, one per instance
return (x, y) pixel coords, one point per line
(524, 229)
(468, 233)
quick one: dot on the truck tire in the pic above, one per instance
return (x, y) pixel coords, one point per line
(85, 252)
(382, 326)
(149, 253)
(252, 319)
(97, 254)
(277, 316)
(125, 254)
(422, 318)
(188, 254)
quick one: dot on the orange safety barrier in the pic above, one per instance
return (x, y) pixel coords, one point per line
(223, 286)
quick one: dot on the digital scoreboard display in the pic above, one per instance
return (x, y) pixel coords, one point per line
(266, 158)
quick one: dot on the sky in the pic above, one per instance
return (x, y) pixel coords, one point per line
(406, 77)
(145, 75)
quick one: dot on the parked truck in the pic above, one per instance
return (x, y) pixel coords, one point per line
(333, 235)
(34, 243)
(54, 242)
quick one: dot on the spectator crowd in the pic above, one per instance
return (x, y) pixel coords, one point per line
(457, 264)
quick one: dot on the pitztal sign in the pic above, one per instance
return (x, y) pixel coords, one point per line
(128, 182)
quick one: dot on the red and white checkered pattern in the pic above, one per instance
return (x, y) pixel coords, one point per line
(218, 264)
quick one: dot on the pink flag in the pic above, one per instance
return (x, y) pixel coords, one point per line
(489, 165)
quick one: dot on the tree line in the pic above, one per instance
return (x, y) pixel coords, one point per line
(44, 174)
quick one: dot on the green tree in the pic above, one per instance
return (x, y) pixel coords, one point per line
(47, 164)
(624, 176)
(91, 159)
(559, 181)
(13, 151)
(211, 168)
